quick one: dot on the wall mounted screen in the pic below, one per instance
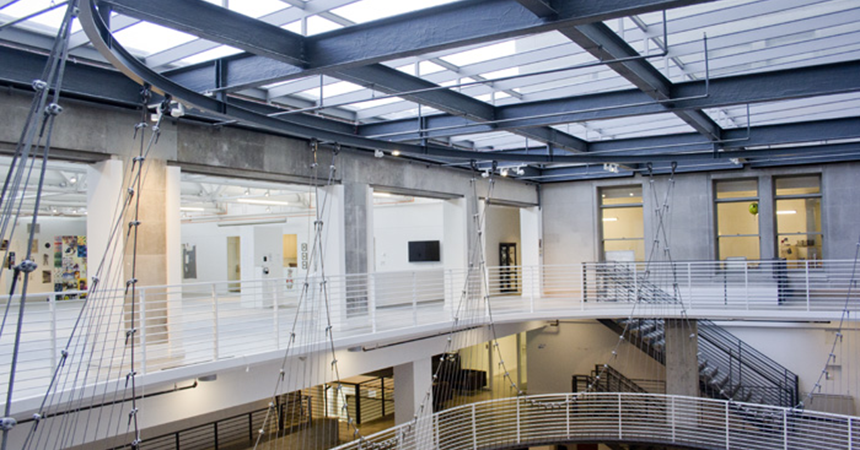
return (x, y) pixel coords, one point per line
(422, 251)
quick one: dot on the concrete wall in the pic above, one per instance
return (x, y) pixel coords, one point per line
(571, 218)
(556, 353)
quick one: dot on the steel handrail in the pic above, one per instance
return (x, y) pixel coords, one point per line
(689, 422)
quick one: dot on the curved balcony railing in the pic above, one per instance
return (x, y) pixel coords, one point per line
(687, 422)
(196, 323)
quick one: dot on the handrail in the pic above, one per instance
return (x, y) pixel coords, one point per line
(203, 322)
(688, 422)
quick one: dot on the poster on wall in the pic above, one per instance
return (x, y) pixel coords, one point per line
(70, 265)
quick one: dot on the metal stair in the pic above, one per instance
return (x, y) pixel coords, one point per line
(728, 367)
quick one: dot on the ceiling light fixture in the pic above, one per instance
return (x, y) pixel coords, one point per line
(259, 201)
(192, 209)
(395, 153)
(786, 212)
(610, 219)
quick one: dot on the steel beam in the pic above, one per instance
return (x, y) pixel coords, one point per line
(604, 44)
(433, 29)
(218, 24)
(385, 79)
(753, 88)
(539, 8)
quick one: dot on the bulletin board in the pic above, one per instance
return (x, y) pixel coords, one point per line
(70, 265)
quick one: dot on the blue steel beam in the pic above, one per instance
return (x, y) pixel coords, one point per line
(539, 8)
(218, 24)
(598, 40)
(443, 27)
(773, 86)
(388, 80)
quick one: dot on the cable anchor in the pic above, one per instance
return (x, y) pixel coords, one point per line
(27, 266)
(7, 423)
(53, 109)
(39, 85)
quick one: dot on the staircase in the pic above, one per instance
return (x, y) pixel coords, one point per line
(728, 367)
(610, 380)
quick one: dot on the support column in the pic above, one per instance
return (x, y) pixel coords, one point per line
(682, 364)
(530, 240)
(455, 257)
(104, 186)
(411, 382)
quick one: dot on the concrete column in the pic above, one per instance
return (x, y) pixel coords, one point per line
(455, 256)
(411, 383)
(104, 188)
(357, 202)
(767, 219)
(682, 364)
(530, 239)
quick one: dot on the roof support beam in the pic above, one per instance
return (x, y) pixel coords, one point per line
(539, 8)
(603, 43)
(218, 24)
(443, 27)
(774, 86)
(386, 79)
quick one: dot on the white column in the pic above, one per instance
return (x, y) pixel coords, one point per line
(455, 249)
(411, 383)
(105, 194)
(173, 224)
(530, 240)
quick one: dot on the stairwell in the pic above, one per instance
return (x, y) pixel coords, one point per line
(728, 367)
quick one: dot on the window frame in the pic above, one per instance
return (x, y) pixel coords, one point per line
(717, 201)
(601, 207)
(776, 198)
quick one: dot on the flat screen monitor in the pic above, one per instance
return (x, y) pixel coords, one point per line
(423, 251)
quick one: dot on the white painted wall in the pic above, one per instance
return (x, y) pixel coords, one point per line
(211, 242)
(49, 227)
(396, 224)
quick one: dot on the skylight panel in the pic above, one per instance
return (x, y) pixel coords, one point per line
(370, 10)
(481, 54)
(50, 21)
(217, 52)
(150, 38)
(317, 25)
(257, 8)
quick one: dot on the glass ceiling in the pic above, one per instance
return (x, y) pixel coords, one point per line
(743, 37)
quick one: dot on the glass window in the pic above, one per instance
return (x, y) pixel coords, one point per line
(622, 228)
(737, 219)
(798, 218)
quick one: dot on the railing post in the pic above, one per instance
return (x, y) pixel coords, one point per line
(532, 271)
(747, 284)
(727, 425)
(807, 283)
(518, 419)
(850, 434)
(583, 296)
(414, 300)
(436, 431)
(672, 417)
(567, 414)
(371, 301)
(143, 330)
(690, 283)
(635, 284)
(52, 306)
(785, 429)
(215, 339)
(276, 325)
(620, 433)
(474, 429)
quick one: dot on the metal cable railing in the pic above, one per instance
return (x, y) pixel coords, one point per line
(667, 420)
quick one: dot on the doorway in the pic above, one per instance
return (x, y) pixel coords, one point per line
(234, 263)
(508, 263)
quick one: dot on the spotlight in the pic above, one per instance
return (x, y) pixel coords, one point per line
(395, 153)
(503, 172)
(378, 153)
(610, 167)
(485, 174)
(520, 171)
(73, 180)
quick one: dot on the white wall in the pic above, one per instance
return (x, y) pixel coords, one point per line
(49, 228)
(211, 242)
(396, 224)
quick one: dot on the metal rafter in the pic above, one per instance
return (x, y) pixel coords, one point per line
(603, 43)
(754, 88)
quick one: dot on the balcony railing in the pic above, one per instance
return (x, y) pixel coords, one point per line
(618, 417)
(196, 323)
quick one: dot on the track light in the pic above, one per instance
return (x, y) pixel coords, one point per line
(504, 172)
(485, 174)
(378, 153)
